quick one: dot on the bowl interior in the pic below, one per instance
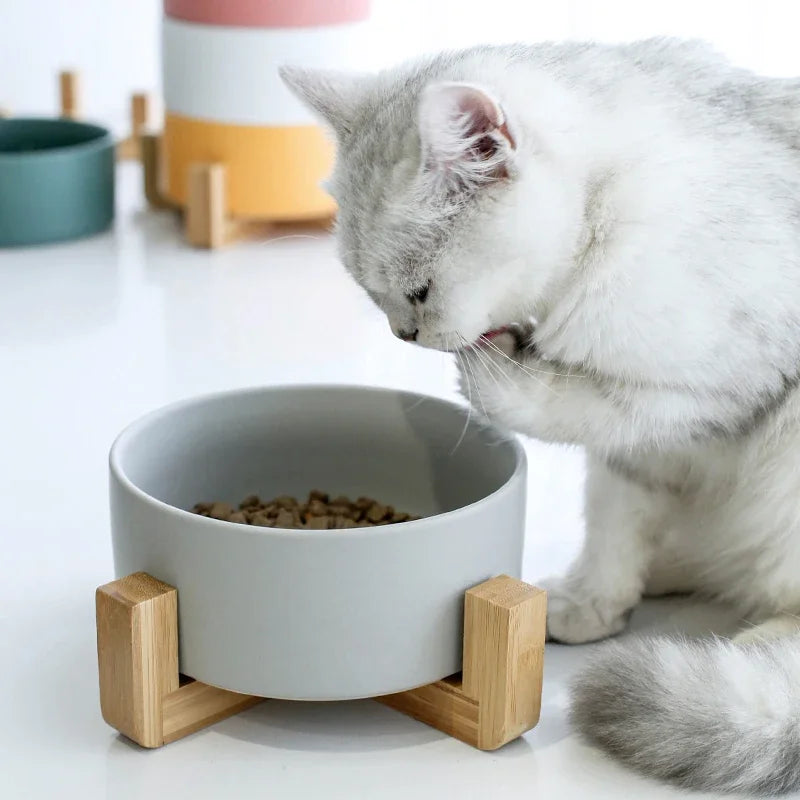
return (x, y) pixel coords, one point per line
(33, 135)
(416, 453)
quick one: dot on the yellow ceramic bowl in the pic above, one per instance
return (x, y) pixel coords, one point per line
(273, 172)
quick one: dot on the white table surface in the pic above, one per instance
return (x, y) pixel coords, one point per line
(95, 333)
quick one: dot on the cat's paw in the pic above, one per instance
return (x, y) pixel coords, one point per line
(516, 341)
(506, 343)
(579, 617)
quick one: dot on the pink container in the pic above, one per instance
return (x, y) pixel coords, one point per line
(268, 13)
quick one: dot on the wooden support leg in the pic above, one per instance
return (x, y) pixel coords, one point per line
(141, 119)
(499, 695)
(497, 700)
(152, 160)
(206, 219)
(137, 653)
(70, 94)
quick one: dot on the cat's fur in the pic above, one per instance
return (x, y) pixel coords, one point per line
(641, 203)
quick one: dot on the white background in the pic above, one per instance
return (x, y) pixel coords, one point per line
(115, 43)
(97, 332)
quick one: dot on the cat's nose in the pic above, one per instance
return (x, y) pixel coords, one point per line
(408, 336)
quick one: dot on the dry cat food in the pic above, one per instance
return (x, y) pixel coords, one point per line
(318, 512)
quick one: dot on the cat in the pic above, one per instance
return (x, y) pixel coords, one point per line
(608, 238)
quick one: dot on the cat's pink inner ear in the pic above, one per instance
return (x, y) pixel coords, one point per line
(480, 112)
(462, 122)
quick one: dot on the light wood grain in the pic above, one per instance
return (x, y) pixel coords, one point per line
(504, 632)
(198, 705)
(152, 173)
(70, 94)
(137, 654)
(141, 118)
(499, 696)
(206, 222)
(442, 705)
(141, 113)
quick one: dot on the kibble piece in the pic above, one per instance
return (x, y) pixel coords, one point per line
(238, 516)
(286, 502)
(261, 519)
(220, 511)
(345, 522)
(400, 516)
(202, 508)
(285, 519)
(317, 507)
(316, 494)
(364, 503)
(376, 512)
(318, 523)
(252, 501)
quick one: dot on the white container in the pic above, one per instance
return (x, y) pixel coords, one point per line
(230, 75)
(318, 615)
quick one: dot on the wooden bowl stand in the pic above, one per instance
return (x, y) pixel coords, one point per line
(207, 221)
(496, 698)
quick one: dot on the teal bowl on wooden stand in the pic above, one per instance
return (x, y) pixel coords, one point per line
(56, 180)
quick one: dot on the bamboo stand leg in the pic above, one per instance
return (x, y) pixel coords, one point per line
(206, 218)
(141, 119)
(497, 699)
(499, 694)
(70, 94)
(137, 654)
(152, 160)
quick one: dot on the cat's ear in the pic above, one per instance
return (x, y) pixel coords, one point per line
(332, 95)
(464, 134)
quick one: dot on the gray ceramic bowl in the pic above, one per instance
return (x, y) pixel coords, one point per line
(56, 180)
(318, 615)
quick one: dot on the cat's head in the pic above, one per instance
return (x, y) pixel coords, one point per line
(452, 214)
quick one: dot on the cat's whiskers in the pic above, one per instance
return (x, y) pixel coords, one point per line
(531, 373)
(529, 370)
(487, 364)
(469, 402)
(488, 361)
(466, 362)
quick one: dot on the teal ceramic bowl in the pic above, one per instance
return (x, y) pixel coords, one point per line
(56, 180)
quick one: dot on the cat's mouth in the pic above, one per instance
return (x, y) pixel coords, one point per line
(487, 336)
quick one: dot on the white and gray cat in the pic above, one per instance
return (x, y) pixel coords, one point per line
(640, 203)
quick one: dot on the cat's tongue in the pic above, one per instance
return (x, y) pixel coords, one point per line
(489, 335)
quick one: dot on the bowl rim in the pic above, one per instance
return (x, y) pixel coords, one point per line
(101, 140)
(239, 528)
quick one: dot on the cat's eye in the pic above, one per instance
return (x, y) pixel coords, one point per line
(419, 295)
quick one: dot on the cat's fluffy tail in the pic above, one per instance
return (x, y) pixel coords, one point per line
(705, 715)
